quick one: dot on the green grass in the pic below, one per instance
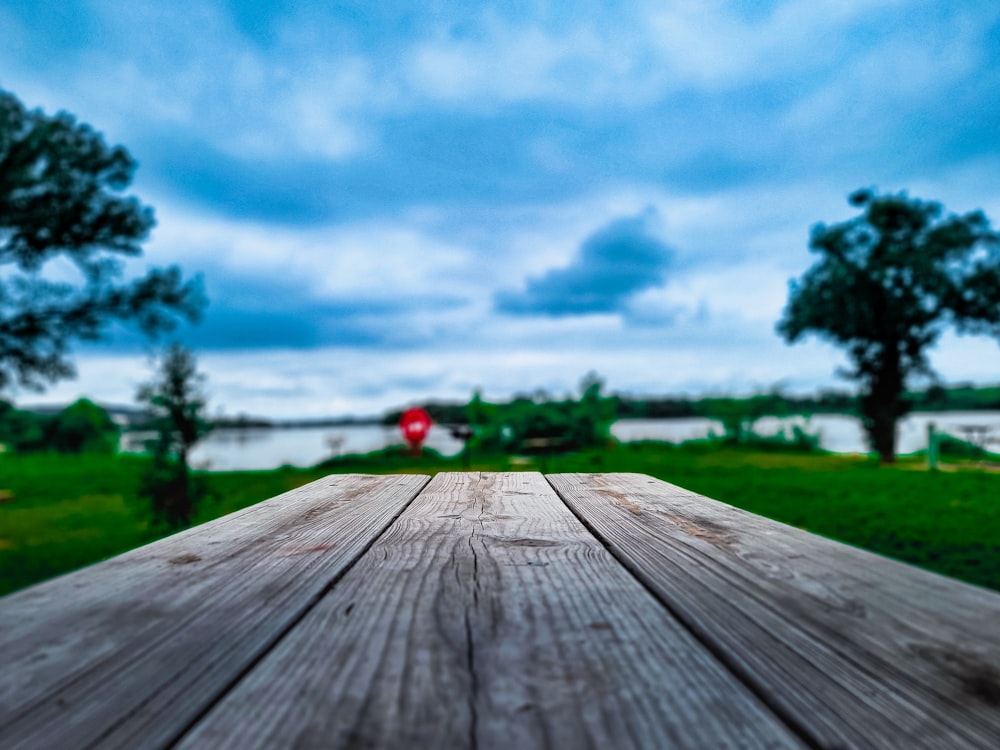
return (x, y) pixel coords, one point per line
(65, 512)
(69, 511)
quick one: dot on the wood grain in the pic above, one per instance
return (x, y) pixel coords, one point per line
(488, 617)
(128, 652)
(854, 649)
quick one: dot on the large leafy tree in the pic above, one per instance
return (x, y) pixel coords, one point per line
(65, 229)
(886, 285)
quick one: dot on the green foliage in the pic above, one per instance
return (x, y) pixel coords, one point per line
(956, 398)
(478, 413)
(938, 397)
(173, 491)
(739, 415)
(510, 427)
(177, 402)
(67, 511)
(21, 431)
(950, 446)
(526, 425)
(886, 286)
(667, 407)
(60, 186)
(82, 427)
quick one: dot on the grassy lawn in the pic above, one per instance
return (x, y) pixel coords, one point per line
(68, 511)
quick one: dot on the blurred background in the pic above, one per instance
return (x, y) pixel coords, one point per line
(587, 236)
(391, 204)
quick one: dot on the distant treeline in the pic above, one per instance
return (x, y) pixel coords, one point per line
(244, 422)
(963, 397)
(88, 427)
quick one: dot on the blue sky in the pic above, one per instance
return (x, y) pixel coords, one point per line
(396, 201)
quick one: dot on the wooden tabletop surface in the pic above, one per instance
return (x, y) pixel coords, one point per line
(505, 611)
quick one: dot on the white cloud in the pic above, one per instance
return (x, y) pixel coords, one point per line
(189, 68)
(640, 54)
(377, 260)
(705, 44)
(901, 73)
(506, 64)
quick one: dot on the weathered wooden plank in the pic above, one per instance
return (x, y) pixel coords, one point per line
(128, 652)
(855, 649)
(488, 617)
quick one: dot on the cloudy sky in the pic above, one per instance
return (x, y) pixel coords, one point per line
(395, 201)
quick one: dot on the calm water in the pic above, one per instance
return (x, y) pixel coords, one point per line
(838, 432)
(225, 450)
(266, 449)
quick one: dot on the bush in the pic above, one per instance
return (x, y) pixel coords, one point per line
(21, 431)
(567, 425)
(82, 427)
(952, 447)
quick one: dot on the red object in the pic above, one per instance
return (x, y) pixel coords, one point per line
(415, 424)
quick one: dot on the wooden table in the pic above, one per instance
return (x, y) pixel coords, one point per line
(499, 611)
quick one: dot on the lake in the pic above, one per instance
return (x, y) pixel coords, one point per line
(230, 450)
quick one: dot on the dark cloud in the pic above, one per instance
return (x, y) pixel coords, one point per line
(611, 266)
(261, 313)
(421, 158)
(486, 151)
(696, 141)
(252, 312)
(293, 192)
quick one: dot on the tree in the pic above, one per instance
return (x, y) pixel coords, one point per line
(887, 284)
(82, 427)
(60, 186)
(593, 413)
(21, 431)
(178, 404)
(555, 426)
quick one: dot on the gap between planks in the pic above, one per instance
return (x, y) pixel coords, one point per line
(797, 727)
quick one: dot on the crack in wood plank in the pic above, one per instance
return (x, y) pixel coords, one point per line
(487, 643)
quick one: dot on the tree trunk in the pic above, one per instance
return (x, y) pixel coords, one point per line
(882, 436)
(186, 505)
(883, 405)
